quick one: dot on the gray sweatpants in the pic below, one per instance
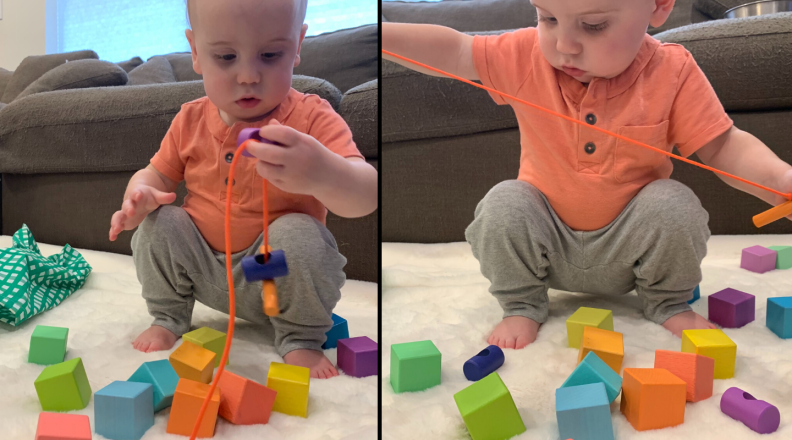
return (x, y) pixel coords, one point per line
(654, 246)
(176, 267)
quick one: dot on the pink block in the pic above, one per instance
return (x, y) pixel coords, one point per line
(758, 259)
(57, 426)
(731, 308)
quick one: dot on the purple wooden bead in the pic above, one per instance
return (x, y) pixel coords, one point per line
(758, 259)
(358, 356)
(247, 134)
(756, 414)
(731, 308)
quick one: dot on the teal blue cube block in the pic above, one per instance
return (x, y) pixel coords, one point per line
(124, 410)
(48, 345)
(592, 369)
(415, 366)
(583, 412)
(779, 316)
(340, 330)
(488, 410)
(696, 295)
(163, 379)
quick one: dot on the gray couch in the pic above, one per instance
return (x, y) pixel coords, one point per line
(446, 143)
(73, 133)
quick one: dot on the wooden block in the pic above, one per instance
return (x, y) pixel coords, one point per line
(594, 370)
(488, 410)
(758, 259)
(696, 370)
(779, 316)
(63, 387)
(209, 339)
(731, 308)
(652, 398)
(587, 316)
(608, 345)
(696, 295)
(715, 344)
(163, 379)
(48, 345)
(243, 401)
(783, 256)
(414, 366)
(339, 330)
(291, 383)
(55, 426)
(124, 410)
(583, 412)
(358, 356)
(193, 362)
(758, 415)
(187, 403)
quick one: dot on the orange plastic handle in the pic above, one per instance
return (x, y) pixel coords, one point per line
(270, 298)
(773, 214)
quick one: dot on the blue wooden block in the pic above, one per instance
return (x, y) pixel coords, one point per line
(256, 269)
(779, 316)
(484, 363)
(124, 410)
(583, 412)
(696, 295)
(163, 379)
(592, 369)
(340, 330)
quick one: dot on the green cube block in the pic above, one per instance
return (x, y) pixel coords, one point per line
(784, 259)
(587, 317)
(209, 339)
(488, 410)
(415, 366)
(48, 345)
(63, 387)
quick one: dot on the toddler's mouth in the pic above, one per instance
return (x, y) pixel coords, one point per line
(248, 102)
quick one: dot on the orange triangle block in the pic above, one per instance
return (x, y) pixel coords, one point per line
(243, 401)
(606, 344)
(696, 370)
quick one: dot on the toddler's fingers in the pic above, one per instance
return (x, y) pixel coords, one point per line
(163, 198)
(269, 171)
(129, 207)
(269, 153)
(281, 134)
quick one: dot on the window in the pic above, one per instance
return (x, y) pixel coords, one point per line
(118, 30)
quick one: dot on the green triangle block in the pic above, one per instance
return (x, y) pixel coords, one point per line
(48, 345)
(488, 410)
(209, 339)
(415, 366)
(587, 317)
(63, 387)
(784, 259)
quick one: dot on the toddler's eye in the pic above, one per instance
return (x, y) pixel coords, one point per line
(270, 55)
(227, 57)
(596, 27)
(548, 20)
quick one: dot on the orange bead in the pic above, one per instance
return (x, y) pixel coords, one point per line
(652, 398)
(608, 345)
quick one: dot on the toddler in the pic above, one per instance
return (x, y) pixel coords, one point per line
(588, 212)
(246, 51)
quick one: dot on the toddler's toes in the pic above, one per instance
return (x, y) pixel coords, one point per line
(509, 343)
(144, 347)
(521, 342)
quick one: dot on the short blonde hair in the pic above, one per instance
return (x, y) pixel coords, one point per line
(303, 5)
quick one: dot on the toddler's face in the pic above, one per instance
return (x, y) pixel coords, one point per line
(595, 38)
(246, 51)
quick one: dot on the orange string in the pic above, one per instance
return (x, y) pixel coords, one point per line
(505, 95)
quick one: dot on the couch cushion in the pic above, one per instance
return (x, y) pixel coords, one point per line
(5, 77)
(33, 67)
(156, 70)
(746, 60)
(346, 58)
(318, 86)
(78, 74)
(130, 64)
(683, 14)
(716, 8)
(471, 16)
(182, 65)
(359, 108)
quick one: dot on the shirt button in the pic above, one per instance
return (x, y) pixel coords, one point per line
(229, 157)
(226, 182)
(590, 148)
(591, 119)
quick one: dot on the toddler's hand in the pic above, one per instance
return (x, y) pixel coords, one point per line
(296, 165)
(142, 200)
(687, 321)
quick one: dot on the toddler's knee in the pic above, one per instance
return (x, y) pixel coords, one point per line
(510, 201)
(163, 224)
(673, 204)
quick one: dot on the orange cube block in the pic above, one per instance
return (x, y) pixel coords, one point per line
(608, 345)
(652, 398)
(243, 401)
(187, 401)
(193, 362)
(696, 370)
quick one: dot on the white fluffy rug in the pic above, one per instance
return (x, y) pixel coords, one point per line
(436, 292)
(108, 313)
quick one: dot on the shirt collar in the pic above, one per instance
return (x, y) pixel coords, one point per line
(221, 131)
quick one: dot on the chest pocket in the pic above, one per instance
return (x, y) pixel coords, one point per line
(631, 162)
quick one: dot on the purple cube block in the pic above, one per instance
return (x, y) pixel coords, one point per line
(758, 259)
(358, 356)
(731, 308)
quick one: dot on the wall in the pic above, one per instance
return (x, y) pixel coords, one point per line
(22, 31)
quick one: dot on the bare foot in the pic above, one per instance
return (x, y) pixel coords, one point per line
(155, 338)
(514, 332)
(321, 367)
(687, 321)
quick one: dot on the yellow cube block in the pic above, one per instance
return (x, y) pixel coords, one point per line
(587, 317)
(608, 345)
(715, 344)
(291, 382)
(193, 362)
(209, 339)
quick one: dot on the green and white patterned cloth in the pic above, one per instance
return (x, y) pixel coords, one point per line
(30, 283)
